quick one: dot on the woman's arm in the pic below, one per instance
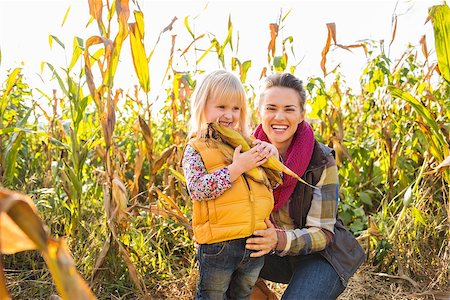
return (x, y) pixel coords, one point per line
(319, 228)
(318, 231)
(200, 184)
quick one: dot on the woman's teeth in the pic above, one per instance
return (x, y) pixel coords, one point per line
(279, 127)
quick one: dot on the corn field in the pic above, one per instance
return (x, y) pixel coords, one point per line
(93, 202)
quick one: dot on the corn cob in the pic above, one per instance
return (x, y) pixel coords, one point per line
(256, 174)
(230, 136)
(234, 139)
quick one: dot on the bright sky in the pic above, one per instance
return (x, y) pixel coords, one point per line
(26, 25)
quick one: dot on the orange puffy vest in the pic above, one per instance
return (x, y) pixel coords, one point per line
(238, 212)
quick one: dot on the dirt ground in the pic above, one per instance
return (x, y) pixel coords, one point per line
(366, 284)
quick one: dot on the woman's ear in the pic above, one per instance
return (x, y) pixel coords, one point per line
(302, 117)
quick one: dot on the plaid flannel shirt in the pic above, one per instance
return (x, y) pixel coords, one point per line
(319, 228)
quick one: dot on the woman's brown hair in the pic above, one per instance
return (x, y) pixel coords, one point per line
(288, 81)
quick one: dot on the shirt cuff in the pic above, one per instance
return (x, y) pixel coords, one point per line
(227, 174)
(282, 240)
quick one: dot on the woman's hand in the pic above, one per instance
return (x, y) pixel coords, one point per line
(265, 149)
(266, 241)
(242, 162)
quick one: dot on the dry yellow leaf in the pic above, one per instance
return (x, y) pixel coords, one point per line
(12, 238)
(68, 282)
(21, 229)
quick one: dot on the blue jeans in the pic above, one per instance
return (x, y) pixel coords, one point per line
(226, 270)
(308, 277)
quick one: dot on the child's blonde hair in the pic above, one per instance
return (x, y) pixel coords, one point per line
(222, 86)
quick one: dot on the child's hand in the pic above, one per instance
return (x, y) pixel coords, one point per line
(242, 162)
(265, 149)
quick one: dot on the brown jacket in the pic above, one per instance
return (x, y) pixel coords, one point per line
(344, 252)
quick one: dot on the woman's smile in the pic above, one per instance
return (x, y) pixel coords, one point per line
(279, 129)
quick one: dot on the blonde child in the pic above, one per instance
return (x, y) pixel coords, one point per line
(227, 205)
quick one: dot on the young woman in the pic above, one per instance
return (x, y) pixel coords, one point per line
(309, 247)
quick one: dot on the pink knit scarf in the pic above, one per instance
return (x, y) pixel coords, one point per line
(297, 159)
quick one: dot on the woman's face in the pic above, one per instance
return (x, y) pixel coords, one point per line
(280, 114)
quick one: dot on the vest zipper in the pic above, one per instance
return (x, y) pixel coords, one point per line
(252, 204)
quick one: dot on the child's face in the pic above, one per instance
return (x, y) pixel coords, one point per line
(227, 113)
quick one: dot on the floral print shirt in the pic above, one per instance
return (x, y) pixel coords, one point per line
(200, 184)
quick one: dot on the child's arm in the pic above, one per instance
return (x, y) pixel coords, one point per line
(204, 186)
(200, 184)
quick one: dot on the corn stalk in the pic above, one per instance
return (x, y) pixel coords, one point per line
(12, 133)
(114, 192)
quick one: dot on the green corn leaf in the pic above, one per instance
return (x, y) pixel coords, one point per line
(65, 16)
(418, 216)
(12, 148)
(440, 16)
(234, 62)
(435, 136)
(244, 70)
(139, 17)
(70, 189)
(186, 24)
(80, 109)
(77, 50)
(230, 34)
(52, 38)
(123, 12)
(139, 57)
(60, 81)
(12, 79)
(11, 155)
(286, 15)
(213, 44)
(178, 175)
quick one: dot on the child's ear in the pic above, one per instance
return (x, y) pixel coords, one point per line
(258, 113)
